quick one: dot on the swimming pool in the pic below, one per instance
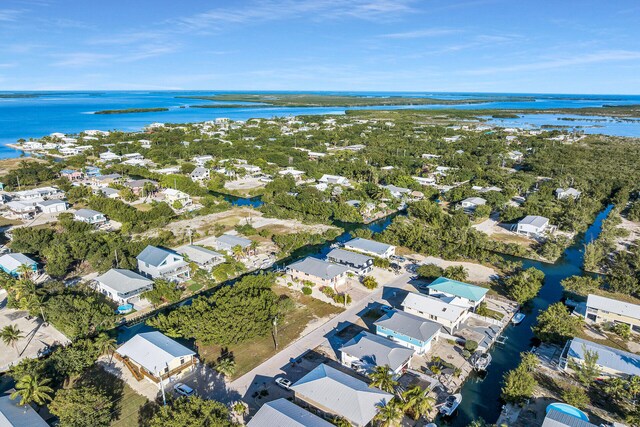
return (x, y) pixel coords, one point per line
(569, 410)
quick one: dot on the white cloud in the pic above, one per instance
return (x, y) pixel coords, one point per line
(9, 15)
(429, 32)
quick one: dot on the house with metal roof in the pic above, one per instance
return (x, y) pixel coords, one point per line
(532, 226)
(457, 293)
(156, 357)
(408, 330)
(470, 204)
(555, 418)
(122, 286)
(282, 413)
(334, 179)
(370, 247)
(448, 315)
(12, 414)
(365, 351)
(563, 193)
(200, 174)
(397, 192)
(330, 392)
(607, 310)
(161, 263)
(11, 263)
(319, 272)
(357, 263)
(52, 206)
(90, 217)
(227, 242)
(203, 257)
(611, 361)
(176, 197)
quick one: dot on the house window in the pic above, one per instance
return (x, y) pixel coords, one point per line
(166, 369)
(182, 360)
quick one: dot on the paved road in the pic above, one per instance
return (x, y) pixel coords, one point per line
(273, 366)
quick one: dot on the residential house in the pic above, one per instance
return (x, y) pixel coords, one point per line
(250, 169)
(319, 272)
(92, 171)
(355, 262)
(516, 156)
(90, 217)
(173, 197)
(203, 257)
(448, 315)
(22, 209)
(611, 362)
(71, 175)
(52, 206)
(109, 157)
(12, 414)
(200, 174)
(424, 180)
(108, 192)
(122, 286)
(201, 161)
(606, 310)
(296, 174)
(138, 185)
(334, 179)
(408, 330)
(457, 293)
(156, 357)
(470, 204)
(533, 226)
(227, 242)
(397, 192)
(37, 193)
(160, 263)
(11, 263)
(282, 413)
(563, 193)
(365, 351)
(106, 180)
(370, 247)
(330, 392)
(555, 418)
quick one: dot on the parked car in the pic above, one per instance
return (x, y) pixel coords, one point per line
(183, 390)
(386, 308)
(283, 382)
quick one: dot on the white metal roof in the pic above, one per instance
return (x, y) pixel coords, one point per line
(282, 413)
(614, 306)
(12, 415)
(123, 281)
(12, 261)
(536, 221)
(430, 305)
(153, 350)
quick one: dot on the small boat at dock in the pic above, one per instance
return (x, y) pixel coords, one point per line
(519, 317)
(481, 361)
(451, 404)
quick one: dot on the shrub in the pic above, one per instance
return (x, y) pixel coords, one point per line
(342, 298)
(381, 262)
(576, 396)
(328, 291)
(623, 330)
(370, 282)
(429, 271)
(471, 346)
(307, 290)
(307, 284)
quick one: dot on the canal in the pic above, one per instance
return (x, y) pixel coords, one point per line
(480, 396)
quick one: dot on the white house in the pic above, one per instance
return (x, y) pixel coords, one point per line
(397, 192)
(160, 263)
(200, 174)
(408, 330)
(296, 174)
(370, 247)
(334, 179)
(448, 315)
(202, 160)
(109, 157)
(282, 413)
(226, 242)
(563, 193)
(52, 206)
(203, 257)
(611, 361)
(533, 226)
(471, 203)
(171, 196)
(317, 271)
(90, 217)
(424, 180)
(356, 263)
(607, 310)
(367, 350)
(122, 286)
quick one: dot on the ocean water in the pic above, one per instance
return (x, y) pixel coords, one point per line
(71, 112)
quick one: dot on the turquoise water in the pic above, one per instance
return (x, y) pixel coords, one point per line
(71, 112)
(569, 410)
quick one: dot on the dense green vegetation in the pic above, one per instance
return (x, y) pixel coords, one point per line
(132, 110)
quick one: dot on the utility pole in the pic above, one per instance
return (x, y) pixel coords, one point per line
(164, 398)
(275, 331)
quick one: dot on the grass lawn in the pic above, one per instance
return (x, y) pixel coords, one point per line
(250, 354)
(194, 287)
(143, 207)
(4, 222)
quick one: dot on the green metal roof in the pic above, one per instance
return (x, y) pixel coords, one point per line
(459, 289)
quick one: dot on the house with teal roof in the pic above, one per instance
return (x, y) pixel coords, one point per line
(457, 293)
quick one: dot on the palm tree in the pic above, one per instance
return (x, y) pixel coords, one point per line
(24, 270)
(382, 378)
(253, 246)
(10, 335)
(105, 344)
(389, 415)
(615, 388)
(417, 402)
(31, 388)
(237, 251)
(340, 422)
(633, 386)
(226, 366)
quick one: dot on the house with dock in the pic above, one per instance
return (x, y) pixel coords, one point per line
(365, 351)
(603, 310)
(450, 316)
(161, 263)
(533, 226)
(356, 263)
(457, 293)
(122, 286)
(408, 330)
(370, 247)
(611, 362)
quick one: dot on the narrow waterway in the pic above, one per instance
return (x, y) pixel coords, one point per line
(481, 396)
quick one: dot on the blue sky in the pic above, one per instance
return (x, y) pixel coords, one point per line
(560, 46)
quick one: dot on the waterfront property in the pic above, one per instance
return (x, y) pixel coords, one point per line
(448, 315)
(330, 392)
(176, 198)
(203, 257)
(90, 217)
(334, 180)
(457, 293)
(562, 193)
(14, 415)
(532, 226)
(366, 351)
(397, 192)
(408, 330)
(319, 272)
(370, 247)
(355, 262)
(470, 204)
(295, 174)
(200, 174)
(160, 263)
(606, 310)
(122, 286)
(13, 264)
(156, 357)
(611, 361)
(282, 413)
(227, 242)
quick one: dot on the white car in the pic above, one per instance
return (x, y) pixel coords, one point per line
(284, 383)
(183, 390)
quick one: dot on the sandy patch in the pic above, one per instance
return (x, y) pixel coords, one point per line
(477, 272)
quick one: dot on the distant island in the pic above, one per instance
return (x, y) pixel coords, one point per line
(132, 110)
(315, 100)
(18, 95)
(228, 106)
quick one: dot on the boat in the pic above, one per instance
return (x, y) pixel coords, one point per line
(482, 361)
(519, 317)
(451, 404)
